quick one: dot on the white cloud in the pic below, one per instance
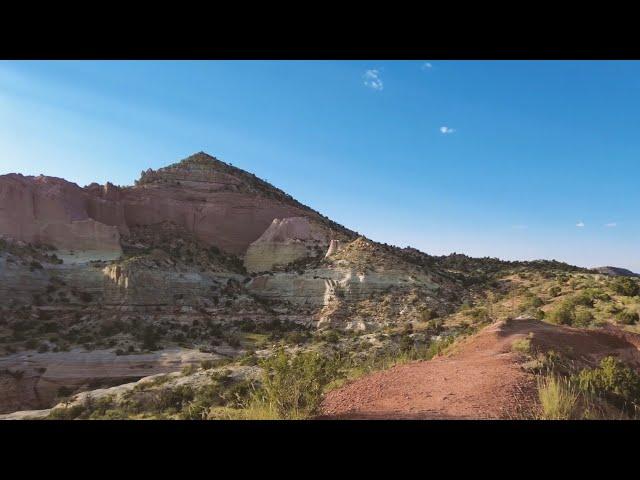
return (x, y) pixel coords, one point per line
(446, 130)
(372, 79)
(611, 225)
(580, 224)
(427, 65)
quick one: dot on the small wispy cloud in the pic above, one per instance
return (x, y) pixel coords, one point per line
(427, 65)
(580, 224)
(372, 79)
(611, 225)
(446, 130)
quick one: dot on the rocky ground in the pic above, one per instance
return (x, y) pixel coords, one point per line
(484, 377)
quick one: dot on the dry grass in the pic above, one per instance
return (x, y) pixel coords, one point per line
(558, 398)
(521, 345)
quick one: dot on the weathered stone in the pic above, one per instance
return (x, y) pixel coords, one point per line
(220, 204)
(285, 241)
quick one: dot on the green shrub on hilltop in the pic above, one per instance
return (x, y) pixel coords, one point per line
(613, 381)
(625, 286)
(478, 314)
(627, 317)
(563, 314)
(585, 298)
(582, 317)
(575, 310)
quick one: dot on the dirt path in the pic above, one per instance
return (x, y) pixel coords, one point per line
(480, 379)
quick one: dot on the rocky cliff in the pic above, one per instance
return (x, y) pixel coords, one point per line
(286, 241)
(48, 210)
(198, 255)
(220, 204)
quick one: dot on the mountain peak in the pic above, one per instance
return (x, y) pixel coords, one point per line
(200, 158)
(199, 167)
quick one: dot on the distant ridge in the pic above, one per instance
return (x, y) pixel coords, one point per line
(616, 272)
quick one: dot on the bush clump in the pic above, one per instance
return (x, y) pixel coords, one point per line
(613, 381)
(627, 317)
(555, 290)
(574, 310)
(582, 317)
(625, 286)
(563, 314)
(521, 345)
(292, 385)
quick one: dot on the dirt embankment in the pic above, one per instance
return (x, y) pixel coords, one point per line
(480, 379)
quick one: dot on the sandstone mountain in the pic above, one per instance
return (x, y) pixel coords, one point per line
(103, 288)
(219, 204)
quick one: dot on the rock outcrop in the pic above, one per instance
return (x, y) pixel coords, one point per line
(285, 241)
(48, 210)
(34, 380)
(221, 205)
(357, 286)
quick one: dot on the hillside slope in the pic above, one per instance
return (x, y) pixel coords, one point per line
(483, 377)
(220, 204)
(202, 262)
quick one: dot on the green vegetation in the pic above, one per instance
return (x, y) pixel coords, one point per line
(521, 345)
(292, 386)
(558, 398)
(575, 310)
(613, 381)
(531, 302)
(562, 314)
(153, 400)
(627, 317)
(554, 291)
(582, 317)
(625, 286)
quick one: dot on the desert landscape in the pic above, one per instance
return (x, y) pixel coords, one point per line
(203, 292)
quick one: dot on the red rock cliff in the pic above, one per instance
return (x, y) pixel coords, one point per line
(220, 204)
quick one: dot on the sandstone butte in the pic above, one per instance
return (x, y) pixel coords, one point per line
(221, 205)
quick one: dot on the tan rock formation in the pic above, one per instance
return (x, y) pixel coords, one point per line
(33, 380)
(285, 241)
(334, 247)
(348, 287)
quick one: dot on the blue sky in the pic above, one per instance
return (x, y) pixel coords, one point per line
(488, 158)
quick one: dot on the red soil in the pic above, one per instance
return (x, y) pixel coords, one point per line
(480, 379)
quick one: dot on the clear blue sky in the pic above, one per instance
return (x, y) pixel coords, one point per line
(496, 158)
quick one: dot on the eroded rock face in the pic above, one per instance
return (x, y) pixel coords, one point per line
(48, 210)
(33, 380)
(218, 203)
(334, 247)
(285, 241)
(358, 285)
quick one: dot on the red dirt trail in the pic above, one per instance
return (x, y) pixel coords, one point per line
(480, 379)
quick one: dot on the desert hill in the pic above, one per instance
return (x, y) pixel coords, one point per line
(221, 205)
(170, 298)
(491, 375)
(616, 271)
